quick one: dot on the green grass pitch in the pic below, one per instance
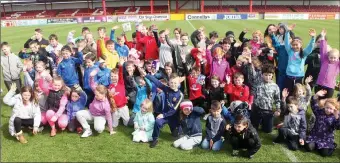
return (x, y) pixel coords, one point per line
(67, 147)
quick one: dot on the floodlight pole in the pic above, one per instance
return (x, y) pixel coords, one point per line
(202, 5)
(309, 6)
(265, 4)
(250, 5)
(104, 7)
(151, 6)
(177, 6)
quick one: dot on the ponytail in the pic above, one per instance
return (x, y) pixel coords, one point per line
(112, 102)
(301, 53)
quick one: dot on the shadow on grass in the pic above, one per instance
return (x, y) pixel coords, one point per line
(5, 132)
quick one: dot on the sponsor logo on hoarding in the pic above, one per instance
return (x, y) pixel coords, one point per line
(200, 16)
(131, 18)
(285, 16)
(62, 21)
(253, 16)
(232, 16)
(322, 16)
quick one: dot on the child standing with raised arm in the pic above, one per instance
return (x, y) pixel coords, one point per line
(330, 67)
(296, 58)
(169, 115)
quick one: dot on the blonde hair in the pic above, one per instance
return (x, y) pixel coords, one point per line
(257, 32)
(148, 104)
(334, 102)
(104, 91)
(334, 52)
(218, 52)
(241, 58)
(256, 62)
(297, 87)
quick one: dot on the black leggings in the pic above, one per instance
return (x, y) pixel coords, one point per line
(249, 144)
(18, 122)
(323, 151)
(290, 82)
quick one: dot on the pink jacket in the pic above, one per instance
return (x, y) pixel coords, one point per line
(100, 108)
(328, 71)
(218, 69)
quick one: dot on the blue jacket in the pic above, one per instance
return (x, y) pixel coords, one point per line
(67, 69)
(87, 72)
(73, 107)
(123, 51)
(296, 65)
(172, 98)
(282, 54)
(191, 125)
(103, 76)
(142, 94)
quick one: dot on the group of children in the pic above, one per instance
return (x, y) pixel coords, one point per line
(154, 80)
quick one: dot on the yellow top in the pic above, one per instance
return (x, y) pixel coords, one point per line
(111, 58)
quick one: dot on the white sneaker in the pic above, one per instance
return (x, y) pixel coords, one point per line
(40, 129)
(86, 133)
(206, 116)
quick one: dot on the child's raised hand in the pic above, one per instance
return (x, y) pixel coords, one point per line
(222, 84)
(167, 31)
(121, 61)
(277, 113)
(227, 78)
(23, 50)
(291, 27)
(285, 93)
(323, 32)
(13, 87)
(245, 30)
(312, 32)
(33, 37)
(201, 28)
(309, 79)
(302, 142)
(321, 93)
(115, 27)
(73, 31)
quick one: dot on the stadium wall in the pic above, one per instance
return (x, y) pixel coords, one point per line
(189, 5)
(166, 17)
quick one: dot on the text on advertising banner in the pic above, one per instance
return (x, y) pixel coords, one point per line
(231, 16)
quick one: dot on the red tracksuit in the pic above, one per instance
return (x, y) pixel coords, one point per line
(99, 50)
(118, 90)
(237, 92)
(150, 46)
(195, 89)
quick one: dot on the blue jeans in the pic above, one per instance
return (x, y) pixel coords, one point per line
(216, 147)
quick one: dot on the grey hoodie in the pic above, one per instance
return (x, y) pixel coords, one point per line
(11, 67)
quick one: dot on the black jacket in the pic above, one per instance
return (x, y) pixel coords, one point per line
(313, 62)
(43, 43)
(245, 135)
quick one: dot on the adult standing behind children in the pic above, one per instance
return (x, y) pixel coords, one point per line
(38, 36)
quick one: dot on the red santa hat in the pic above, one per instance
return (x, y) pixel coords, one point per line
(186, 104)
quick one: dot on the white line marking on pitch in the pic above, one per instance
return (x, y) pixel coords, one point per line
(286, 151)
(191, 24)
